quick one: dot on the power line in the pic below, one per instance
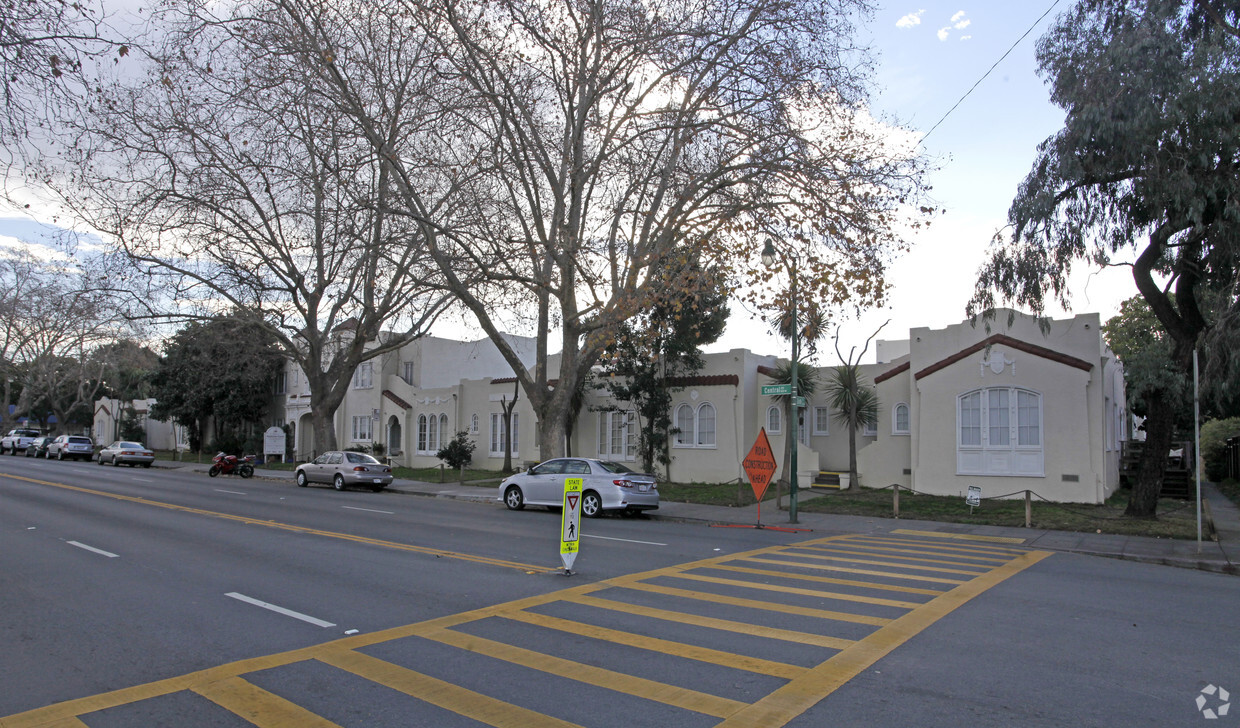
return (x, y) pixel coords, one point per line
(992, 68)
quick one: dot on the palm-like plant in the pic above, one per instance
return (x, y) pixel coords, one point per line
(807, 385)
(856, 406)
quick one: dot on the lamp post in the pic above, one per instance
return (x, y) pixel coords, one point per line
(769, 259)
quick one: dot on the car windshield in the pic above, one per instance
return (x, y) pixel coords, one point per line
(357, 457)
(27, 433)
(130, 445)
(613, 467)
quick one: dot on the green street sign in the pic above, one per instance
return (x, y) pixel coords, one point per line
(776, 389)
(799, 401)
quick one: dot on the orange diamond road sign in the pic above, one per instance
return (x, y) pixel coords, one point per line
(759, 464)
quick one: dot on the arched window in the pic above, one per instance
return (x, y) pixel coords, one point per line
(473, 423)
(684, 423)
(432, 437)
(706, 425)
(443, 432)
(899, 419)
(774, 420)
(999, 432)
(421, 433)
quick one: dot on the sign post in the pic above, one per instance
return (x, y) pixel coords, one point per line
(974, 498)
(570, 523)
(759, 467)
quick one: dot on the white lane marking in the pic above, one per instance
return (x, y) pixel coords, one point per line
(82, 470)
(101, 552)
(280, 610)
(369, 510)
(143, 480)
(626, 540)
(234, 492)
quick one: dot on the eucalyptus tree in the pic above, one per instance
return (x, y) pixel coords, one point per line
(228, 183)
(582, 144)
(1145, 168)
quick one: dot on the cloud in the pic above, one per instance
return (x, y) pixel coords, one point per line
(910, 20)
(959, 14)
(963, 24)
(943, 32)
(965, 37)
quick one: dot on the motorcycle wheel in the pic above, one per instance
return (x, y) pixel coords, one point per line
(214, 471)
(246, 471)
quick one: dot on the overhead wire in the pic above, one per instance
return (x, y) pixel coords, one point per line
(988, 72)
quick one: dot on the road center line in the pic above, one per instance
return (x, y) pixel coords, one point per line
(626, 540)
(143, 480)
(101, 552)
(280, 610)
(369, 510)
(234, 492)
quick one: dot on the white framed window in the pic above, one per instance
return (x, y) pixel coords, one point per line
(684, 424)
(697, 426)
(432, 434)
(407, 372)
(617, 435)
(870, 430)
(443, 432)
(822, 420)
(774, 420)
(281, 385)
(364, 376)
(497, 434)
(473, 424)
(999, 432)
(899, 419)
(362, 431)
(422, 433)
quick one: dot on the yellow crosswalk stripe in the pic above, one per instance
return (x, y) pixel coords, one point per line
(654, 644)
(1005, 552)
(794, 590)
(890, 564)
(697, 620)
(961, 536)
(260, 707)
(862, 572)
(758, 604)
(828, 580)
(446, 695)
(991, 561)
(694, 700)
(887, 553)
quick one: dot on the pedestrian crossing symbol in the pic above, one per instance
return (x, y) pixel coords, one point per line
(570, 522)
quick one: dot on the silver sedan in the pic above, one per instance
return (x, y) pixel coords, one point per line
(606, 486)
(125, 452)
(345, 468)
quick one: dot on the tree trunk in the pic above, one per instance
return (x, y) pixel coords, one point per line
(852, 455)
(551, 431)
(1159, 431)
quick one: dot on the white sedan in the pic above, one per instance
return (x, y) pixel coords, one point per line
(606, 486)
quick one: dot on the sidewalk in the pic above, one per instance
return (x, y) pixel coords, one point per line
(1219, 516)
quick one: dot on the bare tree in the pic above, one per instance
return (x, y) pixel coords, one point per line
(584, 143)
(229, 184)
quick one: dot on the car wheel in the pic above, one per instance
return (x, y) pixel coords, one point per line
(591, 504)
(514, 498)
(213, 471)
(338, 483)
(101, 458)
(47, 454)
(116, 463)
(301, 479)
(60, 454)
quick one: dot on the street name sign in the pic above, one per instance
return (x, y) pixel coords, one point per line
(799, 401)
(777, 389)
(570, 523)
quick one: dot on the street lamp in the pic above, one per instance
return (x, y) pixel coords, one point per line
(769, 259)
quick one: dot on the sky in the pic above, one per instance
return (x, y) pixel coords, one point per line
(929, 54)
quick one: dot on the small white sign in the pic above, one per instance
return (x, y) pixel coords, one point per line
(974, 498)
(274, 441)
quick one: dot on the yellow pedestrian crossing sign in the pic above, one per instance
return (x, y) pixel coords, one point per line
(570, 522)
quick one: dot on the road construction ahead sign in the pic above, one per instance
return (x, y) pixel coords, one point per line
(570, 522)
(759, 464)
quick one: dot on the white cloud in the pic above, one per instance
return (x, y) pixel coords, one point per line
(963, 24)
(965, 37)
(943, 33)
(959, 14)
(910, 20)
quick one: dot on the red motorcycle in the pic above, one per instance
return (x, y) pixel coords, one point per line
(226, 464)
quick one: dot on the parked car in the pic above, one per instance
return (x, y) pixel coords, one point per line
(18, 439)
(38, 447)
(126, 452)
(606, 486)
(78, 447)
(345, 468)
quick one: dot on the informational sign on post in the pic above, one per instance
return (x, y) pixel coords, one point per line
(974, 498)
(570, 523)
(274, 442)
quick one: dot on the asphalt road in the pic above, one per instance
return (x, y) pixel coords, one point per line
(364, 609)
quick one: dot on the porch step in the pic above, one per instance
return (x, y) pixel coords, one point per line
(827, 480)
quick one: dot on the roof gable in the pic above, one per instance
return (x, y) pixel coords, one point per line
(1008, 341)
